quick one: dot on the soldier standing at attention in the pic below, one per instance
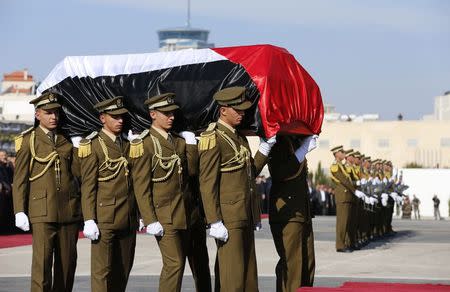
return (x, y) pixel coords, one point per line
(228, 190)
(162, 163)
(290, 215)
(45, 191)
(344, 199)
(108, 202)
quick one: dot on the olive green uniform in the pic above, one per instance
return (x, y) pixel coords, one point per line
(161, 168)
(227, 186)
(45, 189)
(107, 198)
(344, 203)
(290, 216)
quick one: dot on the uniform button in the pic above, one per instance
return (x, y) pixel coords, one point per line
(34, 198)
(156, 206)
(58, 189)
(101, 204)
(289, 197)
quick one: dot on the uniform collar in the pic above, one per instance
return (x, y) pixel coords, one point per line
(109, 134)
(46, 131)
(233, 130)
(161, 132)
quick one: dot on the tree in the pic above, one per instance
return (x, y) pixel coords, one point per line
(320, 177)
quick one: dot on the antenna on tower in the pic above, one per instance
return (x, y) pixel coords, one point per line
(188, 21)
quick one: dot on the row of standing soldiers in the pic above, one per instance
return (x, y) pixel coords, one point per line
(165, 183)
(365, 193)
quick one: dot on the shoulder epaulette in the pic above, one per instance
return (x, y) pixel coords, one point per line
(334, 167)
(137, 145)
(19, 139)
(208, 138)
(85, 145)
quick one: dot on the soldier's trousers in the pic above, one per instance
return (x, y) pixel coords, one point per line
(54, 244)
(343, 224)
(294, 242)
(235, 268)
(197, 254)
(173, 246)
(112, 258)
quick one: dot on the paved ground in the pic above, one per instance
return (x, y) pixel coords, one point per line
(420, 253)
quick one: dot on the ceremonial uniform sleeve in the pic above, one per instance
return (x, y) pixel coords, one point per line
(283, 163)
(142, 181)
(192, 159)
(21, 177)
(89, 182)
(209, 176)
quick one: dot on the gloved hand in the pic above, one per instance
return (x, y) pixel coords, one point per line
(141, 225)
(359, 194)
(265, 146)
(22, 221)
(131, 136)
(76, 141)
(155, 229)
(258, 226)
(90, 230)
(311, 142)
(363, 181)
(358, 183)
(385, 180)
(189, 137)
(393, 195)
(219, 231)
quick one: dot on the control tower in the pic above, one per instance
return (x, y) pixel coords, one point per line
(185, 37)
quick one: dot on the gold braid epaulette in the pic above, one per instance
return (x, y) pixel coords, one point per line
(208, 138)
(85, 145)
(110, 164)
(137, 145)
(19, 139)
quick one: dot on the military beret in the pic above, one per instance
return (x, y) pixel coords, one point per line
(233, 97)
(163, 102)
(46, 101)
(112, 106)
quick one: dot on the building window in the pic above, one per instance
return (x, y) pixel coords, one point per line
(324, 143)
(383, 143)
(412, 142)
(355, 143)
(445, 142)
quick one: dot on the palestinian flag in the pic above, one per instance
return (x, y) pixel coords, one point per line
(285, 97)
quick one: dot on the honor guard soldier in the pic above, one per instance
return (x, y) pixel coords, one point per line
(162, 163)
(108, 202)
(46, 194)
(344, 199)
(228, 190)
(289, 212)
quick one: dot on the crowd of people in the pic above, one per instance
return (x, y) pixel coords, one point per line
(6, 201)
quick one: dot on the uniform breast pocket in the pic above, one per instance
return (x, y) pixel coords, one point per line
(106, 210)
(38, 204)
(234, 207)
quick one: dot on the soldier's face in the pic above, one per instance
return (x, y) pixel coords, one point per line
(3, 157)
(113, 123)
(162, 120)
(47, 118)
(232, 116)
(340, 155)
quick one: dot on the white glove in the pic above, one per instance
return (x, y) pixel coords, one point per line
(91, 230)
(155, 229)
(358, 183)
(265, 146)
(363, 181)
(131, 136)
(22, 221)
(258, 226)
(367, 200)
(394, 172)
(141, 225)
(393, 195)
(311, 142)
(189, 137)
(76, 141)
(219, 231)
(384, 202)
(385, 180)
(359, 194)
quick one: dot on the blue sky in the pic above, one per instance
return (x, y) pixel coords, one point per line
(379, 56)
